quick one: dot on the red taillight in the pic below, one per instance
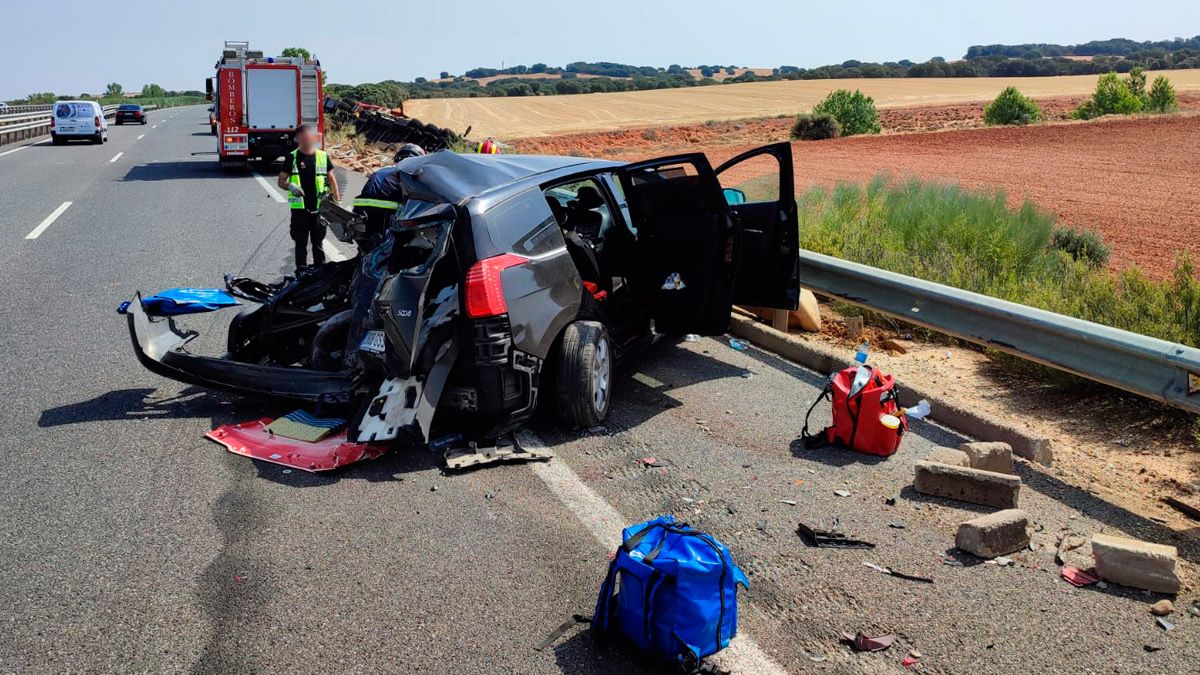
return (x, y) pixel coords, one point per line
(485, 293)
(97, 122)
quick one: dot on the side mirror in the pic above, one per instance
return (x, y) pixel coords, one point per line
(733, 196)
(208, 87)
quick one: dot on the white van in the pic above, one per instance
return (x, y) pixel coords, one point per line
(78, 119)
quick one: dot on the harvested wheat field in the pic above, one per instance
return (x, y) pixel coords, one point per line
(516, 117)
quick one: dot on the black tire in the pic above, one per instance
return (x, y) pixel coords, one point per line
(99, 139)
(56, 140)
(584, 382)
(119, 123)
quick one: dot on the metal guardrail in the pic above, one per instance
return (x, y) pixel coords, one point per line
(1142, 365)
(20, 126)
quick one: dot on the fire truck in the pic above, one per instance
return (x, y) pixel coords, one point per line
(259, 102)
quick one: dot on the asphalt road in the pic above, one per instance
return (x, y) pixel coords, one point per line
(132, 544)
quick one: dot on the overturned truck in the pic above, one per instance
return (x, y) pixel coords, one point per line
(503, 283)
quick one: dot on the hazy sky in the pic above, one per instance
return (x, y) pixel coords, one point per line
(73, 46)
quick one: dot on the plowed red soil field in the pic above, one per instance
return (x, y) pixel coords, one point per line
(1135, 180)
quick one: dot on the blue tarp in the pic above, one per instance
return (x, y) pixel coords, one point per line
(175, 301)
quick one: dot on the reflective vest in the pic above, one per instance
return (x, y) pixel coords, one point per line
(377, 203)
(322, 170)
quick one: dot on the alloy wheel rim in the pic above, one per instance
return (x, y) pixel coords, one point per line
(603, 373)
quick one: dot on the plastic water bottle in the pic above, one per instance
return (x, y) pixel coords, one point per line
(861, 356)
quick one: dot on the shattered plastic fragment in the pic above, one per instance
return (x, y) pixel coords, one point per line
(842, 493)
(909, 661)
(738, 344)
(1164, 624)
(1077, 577)
(867, 643)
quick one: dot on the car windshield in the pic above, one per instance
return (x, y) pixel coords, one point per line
(129, 106)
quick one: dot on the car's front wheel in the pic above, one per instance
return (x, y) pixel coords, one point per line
(584, 383)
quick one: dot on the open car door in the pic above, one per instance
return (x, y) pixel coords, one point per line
(759, 189)
(684, 269)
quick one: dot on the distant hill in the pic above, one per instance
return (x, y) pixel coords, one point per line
(1024, 60)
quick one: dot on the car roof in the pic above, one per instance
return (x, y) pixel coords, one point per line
(457, 178)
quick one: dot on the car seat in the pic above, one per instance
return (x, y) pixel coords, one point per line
(583, 215)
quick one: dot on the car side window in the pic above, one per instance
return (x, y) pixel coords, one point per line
(525, 225)
(580, 206)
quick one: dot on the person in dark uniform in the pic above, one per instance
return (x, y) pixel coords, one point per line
(307, 175)
(381, 197)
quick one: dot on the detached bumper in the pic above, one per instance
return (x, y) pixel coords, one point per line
(159, 345)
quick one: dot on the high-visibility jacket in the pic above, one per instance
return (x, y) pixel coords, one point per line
(322, 170)
(378, 193)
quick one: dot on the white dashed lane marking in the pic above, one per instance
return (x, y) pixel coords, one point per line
(37, 231)
(115, 157)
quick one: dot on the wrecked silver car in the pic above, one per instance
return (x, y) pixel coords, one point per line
(503, 283)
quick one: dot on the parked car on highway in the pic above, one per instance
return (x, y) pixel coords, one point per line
(3, 107)
(130, 112)
(78, 120)
(505, 283)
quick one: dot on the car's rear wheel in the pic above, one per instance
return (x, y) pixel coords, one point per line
(119, 123)
(584, 383)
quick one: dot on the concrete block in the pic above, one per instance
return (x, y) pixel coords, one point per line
(1140, 564)
(989, 456)
(968, 485)
(995, 534)
(949, 456)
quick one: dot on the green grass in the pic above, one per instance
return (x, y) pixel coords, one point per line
(974, 241)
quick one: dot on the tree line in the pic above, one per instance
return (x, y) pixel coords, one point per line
(1028, 60)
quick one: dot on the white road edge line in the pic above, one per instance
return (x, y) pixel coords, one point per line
(266, 185)
(9, 152)
(37, 231)
(140, 137)
(115, 157)
(154, 126)
(605, 523)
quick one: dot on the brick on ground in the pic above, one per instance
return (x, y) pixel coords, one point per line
(948, 456)
(987, 488)
(995, 534)
(989, 456)
(1135, 563)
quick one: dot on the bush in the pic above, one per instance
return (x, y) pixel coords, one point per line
(854, 111)
(1113, 96)
(1161, 98)
(386, 94)
(1082, 245)
(816, 127)
(974, 241)
(1012, 107)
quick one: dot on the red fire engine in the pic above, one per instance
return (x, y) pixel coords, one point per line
(260, 101)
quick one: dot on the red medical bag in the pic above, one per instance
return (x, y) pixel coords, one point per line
(859, 420)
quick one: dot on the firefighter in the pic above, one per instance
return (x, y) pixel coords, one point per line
(381, 197)
(307, 176)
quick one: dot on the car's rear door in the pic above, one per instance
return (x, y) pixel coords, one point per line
(759, 188)
(683, 269)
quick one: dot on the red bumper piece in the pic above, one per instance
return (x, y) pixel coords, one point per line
(253, 440)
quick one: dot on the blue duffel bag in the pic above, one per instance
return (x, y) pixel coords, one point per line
(672, 591)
